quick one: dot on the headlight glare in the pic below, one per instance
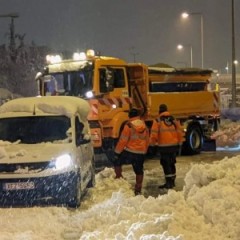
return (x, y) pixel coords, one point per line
(63, 161)
(89, 94)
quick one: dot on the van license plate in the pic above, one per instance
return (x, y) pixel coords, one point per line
(19, 186)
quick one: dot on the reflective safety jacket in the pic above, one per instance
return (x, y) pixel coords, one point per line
(134, 137)
(166, 131)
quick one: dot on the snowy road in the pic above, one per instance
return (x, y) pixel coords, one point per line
(154, 174)
(111, 211)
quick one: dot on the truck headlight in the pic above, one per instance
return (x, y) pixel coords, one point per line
(89, 94)
(63, 161)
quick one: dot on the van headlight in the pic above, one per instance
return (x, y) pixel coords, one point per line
(63, 161)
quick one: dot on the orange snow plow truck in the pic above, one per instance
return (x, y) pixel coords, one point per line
(113, 86)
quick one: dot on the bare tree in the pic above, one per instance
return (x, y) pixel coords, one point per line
(18, 66)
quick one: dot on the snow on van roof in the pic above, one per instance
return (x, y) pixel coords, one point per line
(60, 105)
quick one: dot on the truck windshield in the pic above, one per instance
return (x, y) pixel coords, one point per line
(74, 83)
(32, 130)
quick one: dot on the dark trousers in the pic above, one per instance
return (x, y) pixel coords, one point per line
(168, 161)
(136, 160)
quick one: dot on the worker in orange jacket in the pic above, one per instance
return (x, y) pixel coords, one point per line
(167, 134)
(132, 147)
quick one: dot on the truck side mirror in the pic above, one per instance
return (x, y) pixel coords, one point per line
(38, 76)
(83, 138)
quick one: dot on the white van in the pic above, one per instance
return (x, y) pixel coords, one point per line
(46, 155)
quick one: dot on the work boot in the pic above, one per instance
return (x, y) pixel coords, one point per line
(163, 186)
(168, 184)
(118, 171)
(137, 192)
(138, 185)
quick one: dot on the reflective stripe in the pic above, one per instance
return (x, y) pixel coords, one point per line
(116, 101)
(170, 175)
(216, 101)
(136, 135)
(94, 108)
(134, 151)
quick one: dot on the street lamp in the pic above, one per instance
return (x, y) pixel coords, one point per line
(186, 15)
(180, 47)
(227, 68)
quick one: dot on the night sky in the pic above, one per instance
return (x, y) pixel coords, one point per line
(146, 31)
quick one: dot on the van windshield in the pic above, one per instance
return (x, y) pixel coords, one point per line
(34, 129)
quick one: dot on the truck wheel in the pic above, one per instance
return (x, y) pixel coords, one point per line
(76, 200)
(194, 141)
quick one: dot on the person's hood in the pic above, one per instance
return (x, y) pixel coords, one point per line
(138, 125)
(164, 114)
(167, 118)
(30, 153)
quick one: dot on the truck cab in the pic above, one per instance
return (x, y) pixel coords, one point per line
(112, 87)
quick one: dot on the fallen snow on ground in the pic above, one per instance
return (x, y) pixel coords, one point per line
(228, 135)
(207, 208)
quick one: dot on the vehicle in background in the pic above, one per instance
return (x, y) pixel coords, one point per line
(113, 86)
(46, 155)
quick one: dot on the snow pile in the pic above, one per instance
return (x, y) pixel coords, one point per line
(206, 209)
(214, 191)
(228, 135)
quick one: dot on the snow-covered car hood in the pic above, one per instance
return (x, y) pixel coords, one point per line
(27, 153)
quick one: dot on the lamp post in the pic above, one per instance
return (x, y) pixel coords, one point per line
(233, 60)
(180, 47)
(186, 15)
